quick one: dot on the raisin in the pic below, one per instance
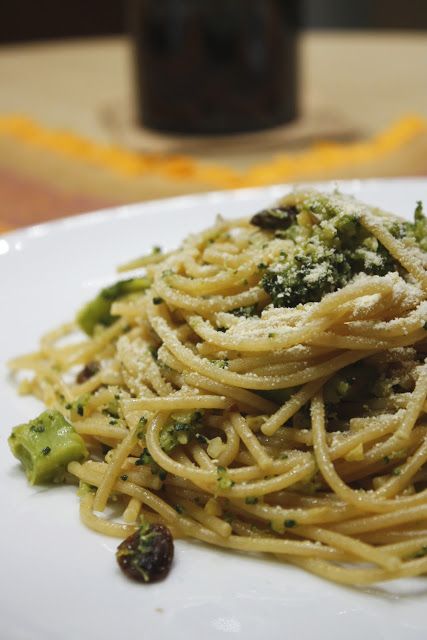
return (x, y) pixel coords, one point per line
(275, 218)
(147, 554)
(87, 372)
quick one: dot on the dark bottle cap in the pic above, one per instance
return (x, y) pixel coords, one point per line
(215, 66)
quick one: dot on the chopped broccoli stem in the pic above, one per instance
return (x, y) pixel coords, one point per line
(45, 446)
(98, 311)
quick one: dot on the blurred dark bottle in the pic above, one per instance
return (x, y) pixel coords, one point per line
(215, 66)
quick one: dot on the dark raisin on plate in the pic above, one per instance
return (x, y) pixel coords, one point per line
(147, 554)
(87, 372)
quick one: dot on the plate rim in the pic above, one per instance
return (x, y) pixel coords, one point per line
(131, 209)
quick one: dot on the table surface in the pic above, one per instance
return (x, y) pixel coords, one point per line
(353, 85)
(367, 78)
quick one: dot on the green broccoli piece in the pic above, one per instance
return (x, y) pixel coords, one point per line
(78, 407)
(223, 479)
(418, 229)
(306, 278)
(180, 430)
(328, 254)
(98, 310)
(45, 446)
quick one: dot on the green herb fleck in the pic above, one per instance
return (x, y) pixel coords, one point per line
(223, 364)
(245, 312)
(37, 428)
(228, 517)
(223, 480)
(142, 423)
(168, 272)
(153, 351)
(289, 524)
(146, 458)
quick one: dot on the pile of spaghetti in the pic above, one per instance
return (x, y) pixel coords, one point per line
(262, 388)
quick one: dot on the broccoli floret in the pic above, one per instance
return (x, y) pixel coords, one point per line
(98, 311)
(180, 430)
(418, 229)
(328, 252)
(305, 278)
(373, 263)
(45, 446)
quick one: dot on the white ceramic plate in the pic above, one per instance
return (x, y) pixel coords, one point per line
(59, 580)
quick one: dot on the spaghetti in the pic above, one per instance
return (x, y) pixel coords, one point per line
(262, 388)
